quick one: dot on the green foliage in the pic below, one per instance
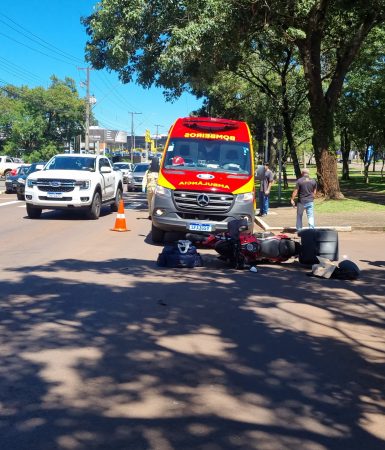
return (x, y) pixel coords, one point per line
(182, 45)
(37, 119)
(364, 96)
(43, 154)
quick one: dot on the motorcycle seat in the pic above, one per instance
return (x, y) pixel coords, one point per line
(277, 248)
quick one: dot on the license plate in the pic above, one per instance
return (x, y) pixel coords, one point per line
(199, 227)
(54, 195)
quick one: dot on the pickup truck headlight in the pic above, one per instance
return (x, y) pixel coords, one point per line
(165, 192)
(244, 198)
(30, 183)
(83, 184)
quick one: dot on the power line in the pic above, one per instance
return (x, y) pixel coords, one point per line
(36, 50)
(38, 38)
(16, 70)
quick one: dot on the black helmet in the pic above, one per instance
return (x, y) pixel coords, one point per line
(346, 270)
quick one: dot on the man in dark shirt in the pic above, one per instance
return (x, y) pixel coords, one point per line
(267, 179)
(306, 189)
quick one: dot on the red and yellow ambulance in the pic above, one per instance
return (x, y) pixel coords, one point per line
(206, 177)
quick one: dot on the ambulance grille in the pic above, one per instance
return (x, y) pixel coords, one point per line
(204, 202)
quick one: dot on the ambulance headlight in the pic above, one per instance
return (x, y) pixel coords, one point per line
(245, 198)
(162, 191)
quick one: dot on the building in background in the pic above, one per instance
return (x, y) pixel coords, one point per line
(102, 139)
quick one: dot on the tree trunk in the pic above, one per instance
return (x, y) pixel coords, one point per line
(284, 176)
(345, 150)
(290, 141)
(326, 161)
(367, 160)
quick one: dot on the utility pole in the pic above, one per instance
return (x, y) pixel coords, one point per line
(87, 125)
(156, 136)
(267, 141)
(132, 132)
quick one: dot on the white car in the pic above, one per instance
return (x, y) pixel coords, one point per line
(125, 168)
(135, 178)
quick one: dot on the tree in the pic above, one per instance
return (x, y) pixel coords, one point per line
(364, 96)
(176, 44)
(269, 84)
(37, 120)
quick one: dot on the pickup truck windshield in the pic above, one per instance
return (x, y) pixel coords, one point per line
(71, 163)
(208, 154)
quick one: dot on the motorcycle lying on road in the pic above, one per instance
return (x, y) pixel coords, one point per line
(240, 248)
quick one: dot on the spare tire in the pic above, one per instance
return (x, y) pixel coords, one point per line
(318, 242)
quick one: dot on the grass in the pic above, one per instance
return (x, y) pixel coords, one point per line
(346, 205)
(359, 196)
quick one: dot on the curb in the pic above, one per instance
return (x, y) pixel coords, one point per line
(346, 228)
(368, 228)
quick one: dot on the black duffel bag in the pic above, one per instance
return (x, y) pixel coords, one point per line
(179, 254)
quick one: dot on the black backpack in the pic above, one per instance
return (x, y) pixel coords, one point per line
(179, 254)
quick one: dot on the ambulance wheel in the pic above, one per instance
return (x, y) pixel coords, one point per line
(157, 235)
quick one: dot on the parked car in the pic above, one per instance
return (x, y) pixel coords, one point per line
(135, 178)
(20, 182)
(125, 168)
(11, 180)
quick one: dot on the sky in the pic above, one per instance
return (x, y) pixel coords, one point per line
(40, 38)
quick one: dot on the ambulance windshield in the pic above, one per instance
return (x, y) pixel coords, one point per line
(208, 154)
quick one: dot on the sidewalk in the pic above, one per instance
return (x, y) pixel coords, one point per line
(283, 219)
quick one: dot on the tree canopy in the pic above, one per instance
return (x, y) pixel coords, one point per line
(40, 121)
(181, 45)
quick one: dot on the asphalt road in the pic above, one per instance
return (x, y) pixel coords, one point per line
(101, 349)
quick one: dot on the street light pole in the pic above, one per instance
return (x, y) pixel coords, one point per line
(132, 132)
(156, 136)
(88, 109)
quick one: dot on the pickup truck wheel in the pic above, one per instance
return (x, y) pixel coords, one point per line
(118, 197)
(94, 210)
(33, 213)
(20, 196)
(6, 174)
(157, 235)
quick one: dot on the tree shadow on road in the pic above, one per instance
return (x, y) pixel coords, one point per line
(135, 357)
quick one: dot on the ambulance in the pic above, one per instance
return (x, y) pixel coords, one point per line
(206, 177)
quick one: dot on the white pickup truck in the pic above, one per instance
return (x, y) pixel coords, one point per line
(74, 181)
(7, 164)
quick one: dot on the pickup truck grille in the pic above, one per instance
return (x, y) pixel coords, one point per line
(55, 185)
(203, 202)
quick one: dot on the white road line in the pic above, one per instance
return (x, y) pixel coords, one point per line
(10, 203)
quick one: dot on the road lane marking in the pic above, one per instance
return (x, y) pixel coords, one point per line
(10, 203)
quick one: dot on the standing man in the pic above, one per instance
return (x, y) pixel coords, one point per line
(267, 179)
(150, 181)
(306, 189)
